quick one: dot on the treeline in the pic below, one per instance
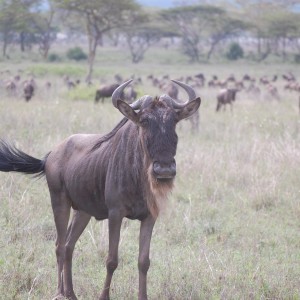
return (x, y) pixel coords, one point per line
(261, 28)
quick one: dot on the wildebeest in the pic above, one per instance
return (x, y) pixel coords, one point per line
(105, 92)
(272, 92)
(225, 96)
(171, 90)
(201, 78)
(130, 94)
(28, 89)
(11, 87)
(254, 90)
(71, 84)
(125, 173)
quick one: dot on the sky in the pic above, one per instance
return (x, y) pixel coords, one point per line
(170, 3)
(157, 3)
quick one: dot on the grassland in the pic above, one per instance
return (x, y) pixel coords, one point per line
(232, 227)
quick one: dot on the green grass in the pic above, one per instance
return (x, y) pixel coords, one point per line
(231, 230)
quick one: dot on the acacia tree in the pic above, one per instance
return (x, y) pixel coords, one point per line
(13, 20)
(144, 31)
(25, 20)
(273, 24)
(140, 40)
(283, 28)
(6, 29)
(100, 17)
(193, 24)
(222, 28)
(43, 29)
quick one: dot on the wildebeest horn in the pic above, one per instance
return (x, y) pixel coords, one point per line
(189, 90)
(118, 92)
(137, 103)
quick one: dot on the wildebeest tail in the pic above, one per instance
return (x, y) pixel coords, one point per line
(15, 160)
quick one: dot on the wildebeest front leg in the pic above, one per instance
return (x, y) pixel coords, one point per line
(78, 224)
(114, 226)
(144, 261)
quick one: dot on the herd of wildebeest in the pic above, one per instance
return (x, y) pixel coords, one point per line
(270, 87)
(86, 173)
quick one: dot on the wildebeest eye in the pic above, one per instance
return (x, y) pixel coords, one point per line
(144, 122)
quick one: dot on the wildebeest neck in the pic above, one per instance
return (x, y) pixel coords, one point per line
(108, 136)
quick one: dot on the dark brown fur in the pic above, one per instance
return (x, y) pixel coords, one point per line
(28, 89)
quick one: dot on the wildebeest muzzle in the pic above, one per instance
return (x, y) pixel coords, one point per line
(163, 170)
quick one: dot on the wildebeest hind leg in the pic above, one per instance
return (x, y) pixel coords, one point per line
(61, 209)
(79, 222)
(114, 226)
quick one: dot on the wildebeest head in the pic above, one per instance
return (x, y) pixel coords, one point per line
(157, 119)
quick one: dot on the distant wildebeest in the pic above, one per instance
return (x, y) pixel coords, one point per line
(200, 79)
(289, 77)
(48, 85)
(130, 94)
(253, 90)
(225, 96)
(11, 87)
(126, 173)
(171, 90)
(272, 92)
(118, 78)
(264, 80)
(70, 83)
(28, 89)
(105, 92)
(246, 77)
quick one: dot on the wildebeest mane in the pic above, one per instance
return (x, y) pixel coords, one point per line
(109, 135)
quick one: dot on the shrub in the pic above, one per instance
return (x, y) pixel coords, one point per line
(297, 58)
(235, 52)
(76, 54)
(53, 57)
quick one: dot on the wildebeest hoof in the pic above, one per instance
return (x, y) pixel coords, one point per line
(59, 297)
(70, 296)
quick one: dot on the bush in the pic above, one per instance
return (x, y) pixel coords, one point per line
(76, 54)
(53, 57)
(235, 52)
(297, 58)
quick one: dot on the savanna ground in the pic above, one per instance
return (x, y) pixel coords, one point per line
(232, 227)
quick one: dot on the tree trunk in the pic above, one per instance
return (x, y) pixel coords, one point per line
(258, 46)
(264, 55)
(93, 42)
(22, 41)
(4, 47)
(283, 48)
(46, 51)
(212, 48)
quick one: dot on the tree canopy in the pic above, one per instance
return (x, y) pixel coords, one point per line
(273, 27)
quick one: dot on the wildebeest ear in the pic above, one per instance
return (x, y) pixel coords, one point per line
(189, 109)
(127, 111)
